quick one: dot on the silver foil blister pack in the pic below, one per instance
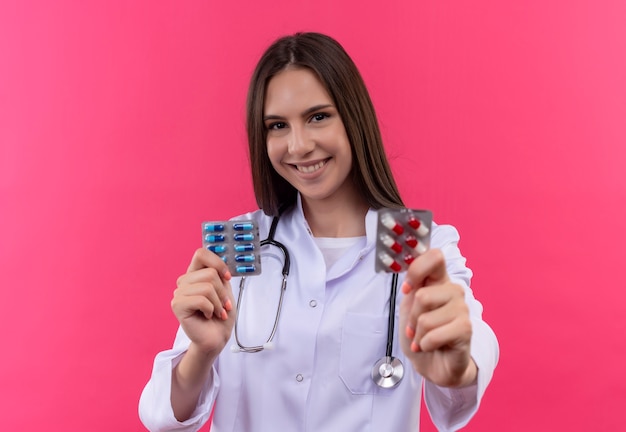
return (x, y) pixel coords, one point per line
(402, 235)
(236, 242)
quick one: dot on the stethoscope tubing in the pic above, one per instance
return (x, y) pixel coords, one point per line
(391, 320)
(269, 241)
(387, 372)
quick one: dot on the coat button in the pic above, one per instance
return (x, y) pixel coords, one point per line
(299, 378)
(313, 303)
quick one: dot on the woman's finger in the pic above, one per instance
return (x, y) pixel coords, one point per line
(186, 306)
(428, 269)
(452, 334)
(205, 258)
(205, 274)
(431, 307)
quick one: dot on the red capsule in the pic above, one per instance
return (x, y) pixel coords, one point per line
(412, 242)
(391, 223)
(418, 226)
(391, 243)
(389, 262)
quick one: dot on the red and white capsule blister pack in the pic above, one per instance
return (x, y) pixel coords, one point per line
(402, 235)
(236, 242)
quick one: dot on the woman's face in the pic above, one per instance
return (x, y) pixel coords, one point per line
(307, 142)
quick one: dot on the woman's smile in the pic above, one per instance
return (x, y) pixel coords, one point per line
(308, 168)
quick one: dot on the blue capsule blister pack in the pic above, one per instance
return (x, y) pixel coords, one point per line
(402, 235)
(236, 242)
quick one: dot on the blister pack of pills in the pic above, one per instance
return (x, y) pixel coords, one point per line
(402, 235)
(236, 242)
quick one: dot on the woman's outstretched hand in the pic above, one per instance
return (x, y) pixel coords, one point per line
(435, 327)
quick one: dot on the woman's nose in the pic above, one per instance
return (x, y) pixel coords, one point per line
(300, 143)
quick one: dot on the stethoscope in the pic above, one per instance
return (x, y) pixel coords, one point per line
(386, 373)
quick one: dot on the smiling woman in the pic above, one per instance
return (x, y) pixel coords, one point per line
(312, 130)
(307, 142)
(325, 64)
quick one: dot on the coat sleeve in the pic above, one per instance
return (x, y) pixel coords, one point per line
(155, 408)
(449, 408)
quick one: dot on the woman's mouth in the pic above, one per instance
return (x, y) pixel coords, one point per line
(307, 169)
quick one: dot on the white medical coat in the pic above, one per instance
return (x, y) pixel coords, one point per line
(332, 330)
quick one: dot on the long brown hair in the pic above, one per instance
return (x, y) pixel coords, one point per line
(337, 72)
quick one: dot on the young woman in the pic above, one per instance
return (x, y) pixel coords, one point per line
(320, 174)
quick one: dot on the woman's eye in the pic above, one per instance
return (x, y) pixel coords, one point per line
(319, 117)
(276, 126)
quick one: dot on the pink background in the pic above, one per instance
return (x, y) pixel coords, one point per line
(122, 128)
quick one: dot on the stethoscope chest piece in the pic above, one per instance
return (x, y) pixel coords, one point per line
(388, 372)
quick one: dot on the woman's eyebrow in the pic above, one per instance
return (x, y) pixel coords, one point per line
(305, 113)
(315, 108)
(272, 117)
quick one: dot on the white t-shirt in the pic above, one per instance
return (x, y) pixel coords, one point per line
(334, 247)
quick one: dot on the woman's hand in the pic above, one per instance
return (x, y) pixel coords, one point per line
(435, 328)
(203, 303)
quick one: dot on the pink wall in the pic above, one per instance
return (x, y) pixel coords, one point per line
(113, 120)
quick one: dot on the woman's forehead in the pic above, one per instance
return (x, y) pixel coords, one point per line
(294, 89)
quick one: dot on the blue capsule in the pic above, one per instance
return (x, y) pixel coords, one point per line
(245, 269)
(244, 247)
(224, 258)
(244, 258)
(214, 238)
(217, 248)
(244, 237)
(214, 227)
(243, 226)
